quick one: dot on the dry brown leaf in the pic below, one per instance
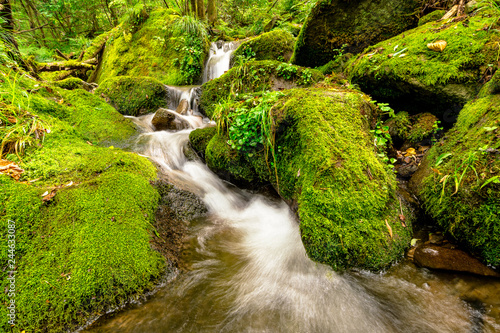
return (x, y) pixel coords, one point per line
(388, 228)
(10, 169)
(410, 152)
(438, 46)
(49, 196)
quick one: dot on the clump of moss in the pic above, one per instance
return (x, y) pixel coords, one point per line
(406, 73)
(433, 16)
(333, 24)
(423, 127)
(157, 49)
(200, 138)
(255, 76)
(133, 96)
(323, 159)
(463, 192)
(399, 125)
(227, 163)
(273, 45)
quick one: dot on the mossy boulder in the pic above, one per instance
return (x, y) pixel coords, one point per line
(155, 49)
(273, 45)
(413, 129)
(134, 96)
(73, 83)
(406, 73)
(200, 138)
(83, 247)
(458, 183)
(355, 24)
(255, 76)
(325, 166)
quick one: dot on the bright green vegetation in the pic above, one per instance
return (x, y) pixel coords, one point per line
(133, 96)
(333, 24)
(87, 248)
(434, 16)
(404, 70)
(167, 47)
(319, 154)
(273, 45)
(255, 76)
(463, 191)
(200, 138)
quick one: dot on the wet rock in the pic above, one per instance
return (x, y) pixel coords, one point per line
(437, 257)
(183, 107)
(167, 120)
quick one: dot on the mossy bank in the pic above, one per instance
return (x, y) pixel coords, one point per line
(83, 210)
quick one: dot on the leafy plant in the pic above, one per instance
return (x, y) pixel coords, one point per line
(287, 71)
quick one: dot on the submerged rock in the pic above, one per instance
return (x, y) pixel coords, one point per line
(355, 24)
(438, 257)
(459, 180)
(133, 96)
(406, 73)
(165, 119)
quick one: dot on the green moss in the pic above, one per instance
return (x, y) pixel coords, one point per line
(255, 76)
(423, 127)
(70, 83)
(133, 96)
(433, 16)
(200, 138)
(400, 125)
(334, 23)
(154, 50)
(273, 45)
(424, 78)
(471, 214)
(226, 162)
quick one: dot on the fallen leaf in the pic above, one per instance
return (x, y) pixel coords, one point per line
(410, 152)
(388, 228)
(414, 241)
(69, 184)
(10, 169)
(436, 171)
(90, 143)
(49, 196)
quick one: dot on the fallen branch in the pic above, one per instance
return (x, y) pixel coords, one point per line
(66, 65)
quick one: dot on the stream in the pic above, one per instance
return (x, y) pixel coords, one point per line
(247, 270)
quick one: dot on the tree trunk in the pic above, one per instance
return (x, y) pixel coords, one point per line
(201, 9)
(67, 65)
(8, 22)
(212, 11)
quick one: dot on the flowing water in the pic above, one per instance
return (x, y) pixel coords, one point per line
(247, 271)
(219, 59)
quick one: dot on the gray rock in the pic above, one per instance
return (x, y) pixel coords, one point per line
(165, 119)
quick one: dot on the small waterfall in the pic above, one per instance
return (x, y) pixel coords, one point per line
(188, 93)
(219, 59)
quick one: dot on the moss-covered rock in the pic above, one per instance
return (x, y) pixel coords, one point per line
(228, 164)
(255, 76)
(156, 49)
(413, 129)
(273, 45)
(406, 73)
(200, 138)
(325, 165)
(84, 248)
(433, 16)
(458, 181)
(134, 96)
(356, 24)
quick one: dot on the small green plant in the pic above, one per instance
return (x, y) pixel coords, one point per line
(382, 141)
(436, 128)
(287, 71)
(305, 77)
(469, 163)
